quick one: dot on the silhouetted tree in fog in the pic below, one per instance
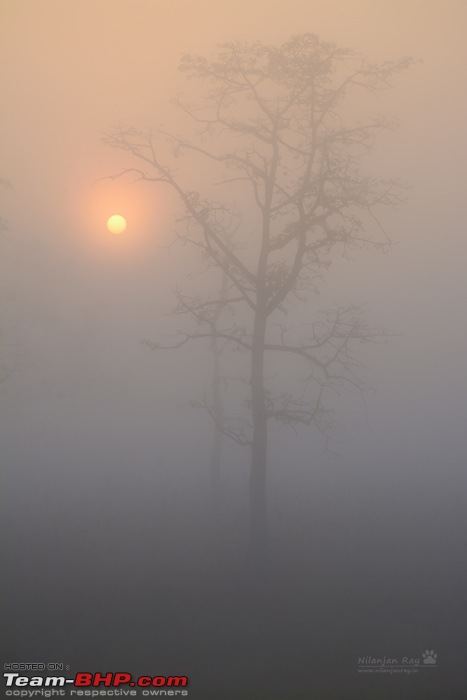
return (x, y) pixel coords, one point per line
(291, 193)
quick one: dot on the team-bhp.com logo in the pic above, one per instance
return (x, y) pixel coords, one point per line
(94, 680)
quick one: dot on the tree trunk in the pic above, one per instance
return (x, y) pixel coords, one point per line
(218, 415)
(258, 545)
(216, 397)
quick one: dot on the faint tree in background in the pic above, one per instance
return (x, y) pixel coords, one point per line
(4, 184)
(275, 126)
(208, 316)
(4, 370)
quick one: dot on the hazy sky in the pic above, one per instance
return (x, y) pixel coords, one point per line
(72, 70)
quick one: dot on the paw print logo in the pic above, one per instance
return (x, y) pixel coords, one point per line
(429, 657)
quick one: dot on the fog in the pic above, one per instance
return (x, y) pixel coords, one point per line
(118, 555)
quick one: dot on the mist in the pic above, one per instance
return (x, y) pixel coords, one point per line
(123, 549)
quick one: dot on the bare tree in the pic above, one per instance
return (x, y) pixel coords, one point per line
(275, 127)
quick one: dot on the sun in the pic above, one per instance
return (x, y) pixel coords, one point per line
(116, 224)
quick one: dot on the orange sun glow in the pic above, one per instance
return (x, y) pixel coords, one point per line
(116, 224)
